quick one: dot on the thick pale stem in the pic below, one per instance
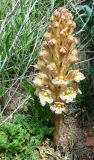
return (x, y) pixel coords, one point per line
(56, 131)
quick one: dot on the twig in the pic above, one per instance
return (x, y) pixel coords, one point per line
(10, 116)
(19, 32)
(7, 16)
(10, 99)
(81, 30)
(85, 60)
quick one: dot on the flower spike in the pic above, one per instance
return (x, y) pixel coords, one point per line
(57, 82)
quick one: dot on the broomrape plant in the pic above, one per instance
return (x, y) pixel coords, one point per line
(56, 82)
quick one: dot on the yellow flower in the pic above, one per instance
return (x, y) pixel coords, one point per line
(68, 95)
(60, 80)
(58, 107)
(45, 96)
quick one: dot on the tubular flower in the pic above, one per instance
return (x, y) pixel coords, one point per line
(69, 94)
(58, 107)
(57, 82)
(75, 75)
(45, 96)
(41, 80)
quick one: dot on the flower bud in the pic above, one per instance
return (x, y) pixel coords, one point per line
(52, 42)
(57, 14)
(47, 36)
(56, 25)
(52, 68)
(63, 51)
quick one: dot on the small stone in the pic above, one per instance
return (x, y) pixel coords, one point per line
(89, 142)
